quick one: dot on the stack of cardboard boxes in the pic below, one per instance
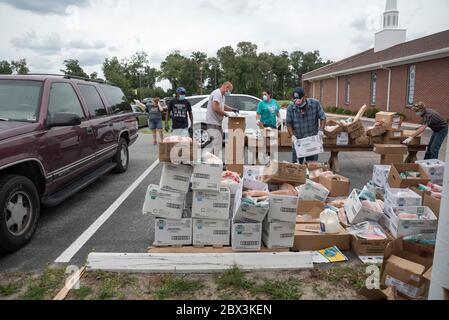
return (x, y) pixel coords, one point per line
(392, 123)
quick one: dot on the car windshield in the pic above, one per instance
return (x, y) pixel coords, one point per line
(19, 100)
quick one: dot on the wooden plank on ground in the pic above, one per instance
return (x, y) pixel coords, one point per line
(71, 282)
(197, 262)
(203, 250)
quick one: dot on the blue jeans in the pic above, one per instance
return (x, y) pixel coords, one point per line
(433, 150)
(301, 160)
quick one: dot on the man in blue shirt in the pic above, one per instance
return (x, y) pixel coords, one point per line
(305, 118)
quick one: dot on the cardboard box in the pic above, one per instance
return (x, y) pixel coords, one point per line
(402, 198)
(253, 172)
(393, 141)
(285, 140)
(313, 191)
(284, 172)
(389, 159)
(163, 204)
(237, 123)
(391, 120)
(434, 169)
(172, 232)
(246, 236)
(309, 211)
(433, 203)
(330, 141)
(356, 213)
(207, 177)
(308, 237)
(238, 168)
(278, 234)
(381, 174)
(337, 128)
(263, 141)
(400, 227)
(176, 177)
(373, 248)
(357, 134)
(363, 140)
(179, 152)
(211, 232)
(376, 131)
(211, 205)
(309, 146)
(406, 274)
(282, 208)
(397, 134)
(390, 149)
(354, 126)
(416, 141)
(337, 185)
(244, 211)
(395, 180)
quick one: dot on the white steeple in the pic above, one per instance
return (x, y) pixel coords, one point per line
(390, 35)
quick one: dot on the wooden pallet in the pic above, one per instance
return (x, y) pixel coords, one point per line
(206, 249)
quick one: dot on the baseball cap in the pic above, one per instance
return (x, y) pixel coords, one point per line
(181, 90)
(298, 93)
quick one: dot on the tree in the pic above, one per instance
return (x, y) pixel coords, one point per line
(73, 68)
(94, 76)
(115, 73)
(172, 69)
(20, 66)
(5, 67)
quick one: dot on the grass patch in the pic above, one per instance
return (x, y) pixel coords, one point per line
(111, 283)
(233, 278)
(9, 289)
(352, 276)
(46, 285)
(82, 293)
(176, 287)
(322, 293)
(279, 290)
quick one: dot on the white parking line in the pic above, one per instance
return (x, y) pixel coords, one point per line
(70, 252)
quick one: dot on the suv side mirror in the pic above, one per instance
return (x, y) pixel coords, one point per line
(64, 120)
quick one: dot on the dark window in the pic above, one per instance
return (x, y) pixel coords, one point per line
(63, 99)
(204, 106)
(117, 99)
(233, 102)
(411, 77)
(93, 100)
(347, 90)
(20, 100)
(247, 104)
(373, 88)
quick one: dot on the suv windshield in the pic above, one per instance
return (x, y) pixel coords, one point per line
(19, 100)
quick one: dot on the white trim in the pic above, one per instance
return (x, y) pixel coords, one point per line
(336, 92)
(430, 55)
(313, 90)
(26, 160)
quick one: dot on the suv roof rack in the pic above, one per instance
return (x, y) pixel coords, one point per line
(68, 76)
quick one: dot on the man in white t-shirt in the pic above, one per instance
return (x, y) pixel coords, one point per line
(216, 107)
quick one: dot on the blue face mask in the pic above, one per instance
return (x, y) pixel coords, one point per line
(182, 97)
(227, 93)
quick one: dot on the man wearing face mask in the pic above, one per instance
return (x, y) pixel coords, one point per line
(216, 106)
(180, 111)
(434, 121)
(305, 118)
(268, 111)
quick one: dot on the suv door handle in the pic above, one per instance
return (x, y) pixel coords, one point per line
(90, 131)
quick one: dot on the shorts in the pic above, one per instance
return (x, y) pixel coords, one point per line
(181, 132)
(155, 124)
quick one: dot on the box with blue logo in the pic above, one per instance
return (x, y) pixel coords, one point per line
(172, 232)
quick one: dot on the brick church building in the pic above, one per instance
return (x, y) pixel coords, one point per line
(391, 76)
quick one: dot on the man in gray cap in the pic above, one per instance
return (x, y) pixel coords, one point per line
(180, 111)
(305, 118)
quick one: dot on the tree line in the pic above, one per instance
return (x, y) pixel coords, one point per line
(251, 72)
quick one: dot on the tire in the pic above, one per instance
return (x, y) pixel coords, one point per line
(13, 188)
(121, 158)
(200, 130)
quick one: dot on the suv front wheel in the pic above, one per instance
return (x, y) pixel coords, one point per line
(121, 158)
(19, 212)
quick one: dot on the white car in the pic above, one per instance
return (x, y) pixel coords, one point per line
(247, 105)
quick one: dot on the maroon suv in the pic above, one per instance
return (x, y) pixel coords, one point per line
(58, 134)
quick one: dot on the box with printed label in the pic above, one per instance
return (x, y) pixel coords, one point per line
(395, 179)
(246, 236)
(391, 120)
(250, 184)
(211, 205)
(285, 172)
(172, 232)
(163, 203)
(247, 210)
(207, 177)
(402, 198)
(282, 208)
(278, 234)
(253, 172)
(313, 191)
(357, 213)
(403, 224)
(380, 175)
(176, 177)
(434, 169)
(309, 146)
(208, 232)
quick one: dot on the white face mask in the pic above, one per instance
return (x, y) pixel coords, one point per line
(265, 98)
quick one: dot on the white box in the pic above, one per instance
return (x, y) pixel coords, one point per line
(211, 205)
(313, 191)
(343, 139)
(434, 168)
(278, 234)
(246, 236)
(310, 146)
(207, 177)
(172, 232)
(253, 172)
(246, 212)
(282, 208)
(402, 198)
(211, 232)
(380, 175)
(163, 203)
(176, 177)
(250, 184)
(408, 227)
(356, 213)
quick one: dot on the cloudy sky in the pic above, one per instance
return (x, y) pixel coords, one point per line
(47, 32)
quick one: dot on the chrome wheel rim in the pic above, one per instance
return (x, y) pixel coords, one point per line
(201, 136)
(18, 212)
(124, 156)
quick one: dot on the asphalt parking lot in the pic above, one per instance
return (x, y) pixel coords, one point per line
(123, 228)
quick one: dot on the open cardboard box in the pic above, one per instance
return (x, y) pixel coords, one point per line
(364, 247)
(308, 237)
(284, 172)
(309, 211)
(337, 185)
(395, 180)
(179, 152)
